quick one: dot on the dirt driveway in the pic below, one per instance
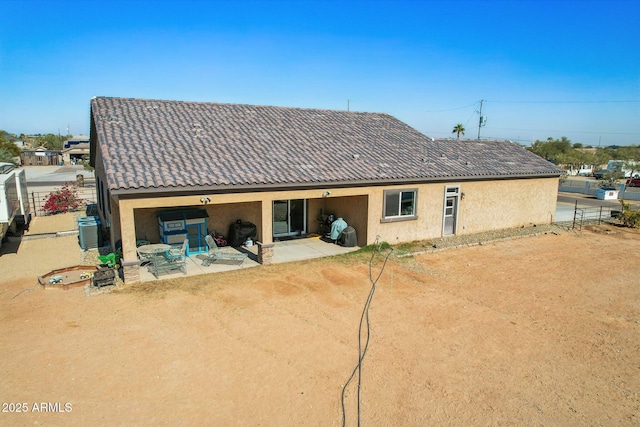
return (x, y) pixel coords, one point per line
(540, 330)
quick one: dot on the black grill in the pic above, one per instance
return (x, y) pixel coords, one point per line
(105, 276)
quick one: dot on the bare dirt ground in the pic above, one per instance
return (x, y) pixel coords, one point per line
(539, 330)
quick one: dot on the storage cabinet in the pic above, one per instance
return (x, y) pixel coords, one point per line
(176, 226)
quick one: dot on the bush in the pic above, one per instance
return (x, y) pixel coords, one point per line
(628, 216)
(63, 200)
(611, 179)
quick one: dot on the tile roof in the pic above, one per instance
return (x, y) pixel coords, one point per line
(174, 145)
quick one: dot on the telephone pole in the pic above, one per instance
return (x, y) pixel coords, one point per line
(481, 121)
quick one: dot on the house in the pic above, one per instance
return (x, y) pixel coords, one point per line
(40, 157)
(286, 169)
(75, 150)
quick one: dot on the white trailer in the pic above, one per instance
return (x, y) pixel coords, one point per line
(24, 215)
(15, 208)
(9, 202)
(629, 168)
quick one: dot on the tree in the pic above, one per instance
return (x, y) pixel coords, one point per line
(554, 150)
(8, 149)
(5, 156)
(51, 141)
(611, 179)
(459, 129)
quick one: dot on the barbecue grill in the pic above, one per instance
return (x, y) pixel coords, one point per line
(105, 276)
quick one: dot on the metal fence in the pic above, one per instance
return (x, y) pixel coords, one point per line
(85, 195)
(591, 188)
(593, 215)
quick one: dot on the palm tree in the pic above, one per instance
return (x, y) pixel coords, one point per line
(459, 129)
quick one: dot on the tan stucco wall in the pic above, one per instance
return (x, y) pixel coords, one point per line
(114, 227)
(354, 210)
(486, 205)
(507, 204)
(220, 217)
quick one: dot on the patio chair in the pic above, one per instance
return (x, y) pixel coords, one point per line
(174, 259)
(215, 253)
(144, 258)
(176, 254)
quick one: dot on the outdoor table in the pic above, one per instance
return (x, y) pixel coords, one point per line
(154, 250)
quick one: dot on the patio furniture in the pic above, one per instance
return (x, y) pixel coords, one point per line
(215, 253)
(176, 254)
(161, 259)
(149, 252)
(172, 260)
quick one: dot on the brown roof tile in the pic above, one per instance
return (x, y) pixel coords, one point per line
(152, 144)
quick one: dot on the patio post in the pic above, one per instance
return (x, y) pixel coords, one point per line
(265, 253)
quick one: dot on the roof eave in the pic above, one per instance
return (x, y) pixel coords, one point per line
(259, 188)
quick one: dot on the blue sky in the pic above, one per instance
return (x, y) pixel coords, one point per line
(544, 68)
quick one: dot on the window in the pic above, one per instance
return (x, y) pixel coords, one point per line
(400, 204)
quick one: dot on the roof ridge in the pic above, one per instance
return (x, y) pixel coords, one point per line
(231, 104)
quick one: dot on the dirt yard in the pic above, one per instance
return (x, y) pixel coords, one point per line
(539, 330)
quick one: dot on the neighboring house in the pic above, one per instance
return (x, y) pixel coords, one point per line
(75, 150)
(282, 169)
(40, 157)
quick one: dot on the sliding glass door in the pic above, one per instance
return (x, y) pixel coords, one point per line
(289, 217)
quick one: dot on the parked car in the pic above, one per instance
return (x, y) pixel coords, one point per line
(633, 182)
(600, 174)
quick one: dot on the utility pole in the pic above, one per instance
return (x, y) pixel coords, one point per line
(480, 122)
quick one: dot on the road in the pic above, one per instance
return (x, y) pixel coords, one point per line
(585, 201)
(48, 178)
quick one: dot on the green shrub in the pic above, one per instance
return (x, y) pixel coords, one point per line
(628, 216)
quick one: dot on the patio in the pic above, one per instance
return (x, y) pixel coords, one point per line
(283, 251)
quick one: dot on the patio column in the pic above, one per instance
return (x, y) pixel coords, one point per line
(267, 221)
(265, 244)
(130, 265)
(265, 253)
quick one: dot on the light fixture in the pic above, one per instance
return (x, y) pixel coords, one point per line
(326, 193)
(462, 195)
(205, 200)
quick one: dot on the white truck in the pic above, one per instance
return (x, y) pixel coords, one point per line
(15, 209)
(630, 168)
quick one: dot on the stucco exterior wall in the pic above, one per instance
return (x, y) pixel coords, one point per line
(507, 204)
(103, 202)
(220, 217)
(486, 205)
(355, 212)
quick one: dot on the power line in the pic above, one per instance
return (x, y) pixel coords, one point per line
(452, 109)
(567, 131)
(627, 101)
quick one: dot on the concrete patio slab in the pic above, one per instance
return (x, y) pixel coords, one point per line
(284, 251)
